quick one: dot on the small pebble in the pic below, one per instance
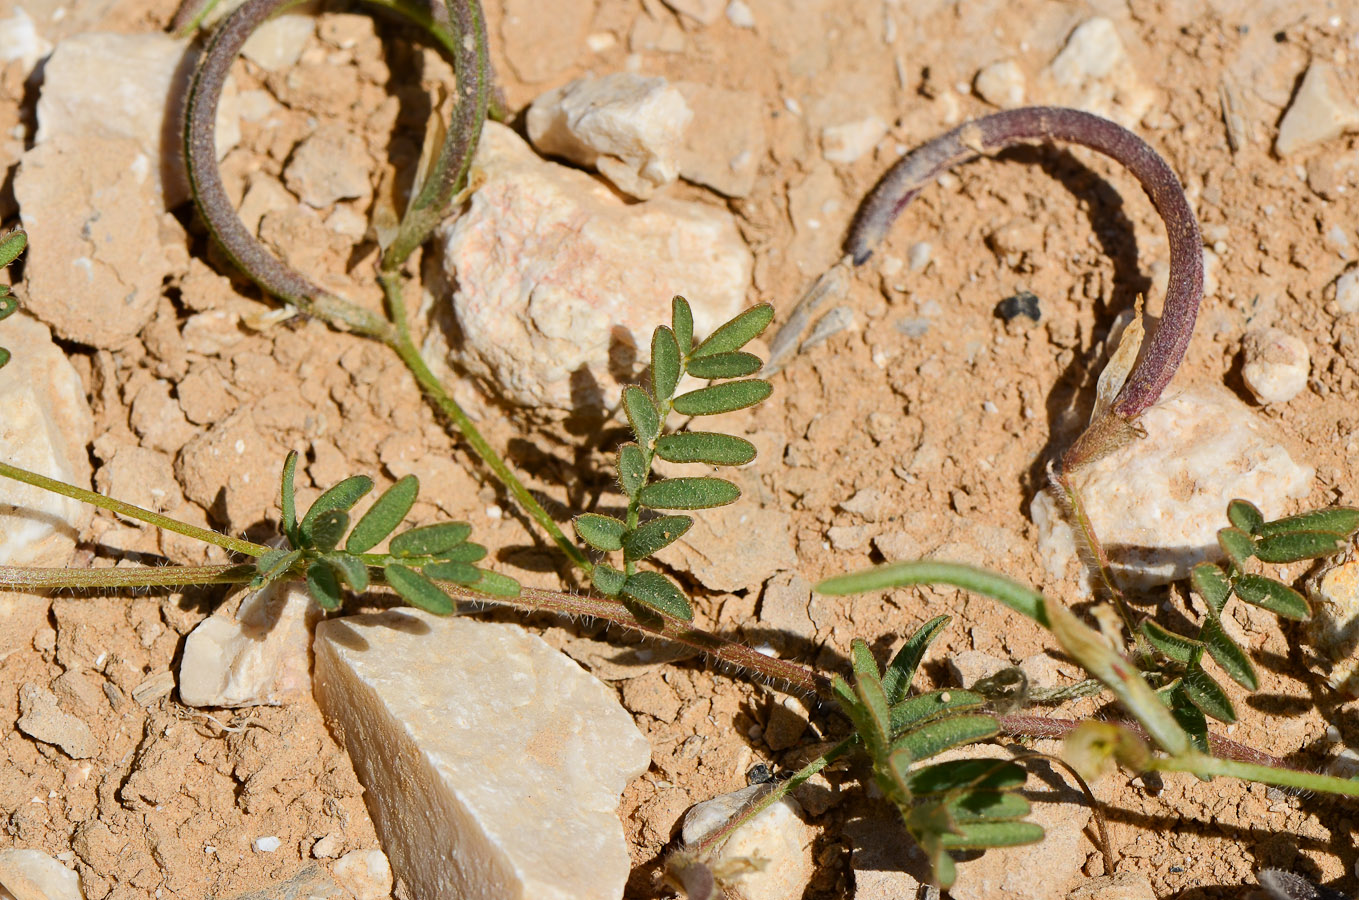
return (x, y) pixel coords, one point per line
(918, 257)
(739, 14)
(1347, 291)
(1275, 365)
(1319, 112)
(1021, 304)
(266, 844)
(852, 140)
(1001, 84)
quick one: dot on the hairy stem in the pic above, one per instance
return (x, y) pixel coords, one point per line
(226, 542)
(1207, 766)
(33, 578)
(1045, 727)
(442, 401)
(1165, 351)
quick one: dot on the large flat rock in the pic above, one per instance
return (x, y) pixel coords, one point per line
(492, 762)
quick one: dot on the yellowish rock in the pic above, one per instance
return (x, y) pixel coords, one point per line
(492, 763)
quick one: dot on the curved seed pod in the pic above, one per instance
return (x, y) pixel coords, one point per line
(989, 134)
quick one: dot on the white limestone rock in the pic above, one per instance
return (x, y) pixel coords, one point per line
(1275, 365)
(1157, 504)
(254, 650)
(366, 873)
(99, 87)
(45, 425)
(19, 39)
(481, 737)
(1001, 84)
(626, 126)
(770, 856)
(1094, 72)
(849, 141)
(1319, 112)
(555, 276)
(33, 875)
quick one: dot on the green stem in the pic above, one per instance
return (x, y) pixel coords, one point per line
(1206, 766)
(32, 578)
(226, 542)
(434, 392)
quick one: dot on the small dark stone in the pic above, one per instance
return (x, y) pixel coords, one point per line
(1021, 304)
(759, 774)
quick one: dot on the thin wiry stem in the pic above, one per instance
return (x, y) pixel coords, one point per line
(35, 578)
(472, 62)
(1165, 351)
(226, 542)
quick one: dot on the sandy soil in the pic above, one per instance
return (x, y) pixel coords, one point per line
(948, 429)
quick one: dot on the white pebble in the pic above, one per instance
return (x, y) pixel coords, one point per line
(850, 141)
(266, 844)
(1001, 84)
(1275, 365)
(1347, 291)
(739, 14)
(919, 255)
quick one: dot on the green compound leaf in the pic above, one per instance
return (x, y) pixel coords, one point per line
(737, 333)
(1293, 546)
(654, 535)
(682, 320)
(1181, 649)
(288, 500)
(1269, 594)
(705, 447)
(666, 363)
(931, 707)
(324, 586)
(1246, 516)
(723, 398)
(497, 585)
(1204, 692)
(607, 580)
(725, 365)
(341, 497)
(327, 529)
(632, 469)
(936, 737)
(601, 532)
(349, 569)
(384, 515)
(642, 414)
(980, 835)
(272, 565)
(1227, 654)
(1212, 585)
(982, 806)
(979, 774)
(1236, 544)
(689, 493)
(658, 592)
(417, 590)
(430, 540)
(896, 681)
(1342, 520)
(461, 573)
